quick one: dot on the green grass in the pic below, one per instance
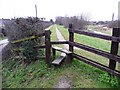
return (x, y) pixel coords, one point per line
(53, 34)
(1, 38)
(37, 75)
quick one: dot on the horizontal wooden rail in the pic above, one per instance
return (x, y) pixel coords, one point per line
(96, 51)
(41, 57)
(19, 49)
(96, 64)
(59, 42)
(27, 38)
(38, 46)
(106, 37)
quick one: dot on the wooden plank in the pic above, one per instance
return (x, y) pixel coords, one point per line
(27, 38)
(38, 46)
(61, 50)
(96, 51)
(41, 57)
(114, 48)
(96, 64)
(58, 60)
(59, 42)
(24, 39)
(106, 37)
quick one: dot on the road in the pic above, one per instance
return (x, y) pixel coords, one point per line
(3, 43)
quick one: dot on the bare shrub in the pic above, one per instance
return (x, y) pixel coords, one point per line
(79, 22)
(114, 24)
(21, 28)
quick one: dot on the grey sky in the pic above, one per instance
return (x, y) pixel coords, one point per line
(94, 9)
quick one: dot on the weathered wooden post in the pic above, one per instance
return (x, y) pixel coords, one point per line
(114, 48)
(71, 39)
(47, 47)
(119, 29)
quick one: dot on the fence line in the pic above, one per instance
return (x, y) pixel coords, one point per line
(113, 57)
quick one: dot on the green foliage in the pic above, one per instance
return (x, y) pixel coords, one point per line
(111, 80)
(28, 50)
(38, 75)
(118, 82)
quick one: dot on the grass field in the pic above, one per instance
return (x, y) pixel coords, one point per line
(36, 75)
(100, 29)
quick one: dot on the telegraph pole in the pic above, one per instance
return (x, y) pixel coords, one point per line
(113, 17)
(36, 10)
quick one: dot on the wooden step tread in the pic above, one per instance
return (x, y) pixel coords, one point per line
(58, 60)
(62, 50)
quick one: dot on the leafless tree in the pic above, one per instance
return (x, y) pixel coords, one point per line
(79, 22)
(114, 24)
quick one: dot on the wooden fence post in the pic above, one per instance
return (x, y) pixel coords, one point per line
(114, 48)
(47, 47)
(71, 38)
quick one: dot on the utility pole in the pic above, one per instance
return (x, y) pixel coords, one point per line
(36, 10)
(2, 23)
(113, 17)
(119, 10)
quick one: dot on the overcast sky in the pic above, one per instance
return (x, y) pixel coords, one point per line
(94, 9)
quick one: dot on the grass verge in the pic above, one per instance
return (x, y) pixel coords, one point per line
(37, 75)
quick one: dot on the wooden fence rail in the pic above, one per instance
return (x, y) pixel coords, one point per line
(28, 38)
(96, 51)
(113, 57)
(105, 37)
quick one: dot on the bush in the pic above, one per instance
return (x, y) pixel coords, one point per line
(79, 22)
(20, 28)
(111, 80)
(23, 27)
(28, 50)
